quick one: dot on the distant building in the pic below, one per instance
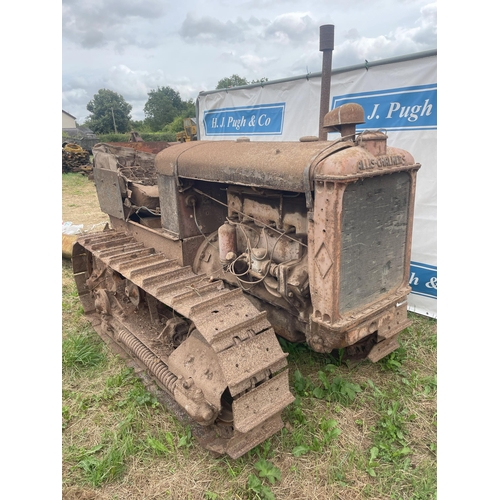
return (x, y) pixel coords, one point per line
(68, 121)
(77, 135)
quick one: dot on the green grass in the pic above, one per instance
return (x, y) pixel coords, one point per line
(74, 183)
(82, 350)
(366, 431)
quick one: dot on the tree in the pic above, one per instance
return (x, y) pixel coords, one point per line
(231, 81)
(189, 109)
(108, 111)
(138, 125)
(162, 106)
(177, 125)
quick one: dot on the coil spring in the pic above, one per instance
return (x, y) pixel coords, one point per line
(157, 367)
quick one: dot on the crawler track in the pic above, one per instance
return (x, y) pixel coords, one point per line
(229, 373)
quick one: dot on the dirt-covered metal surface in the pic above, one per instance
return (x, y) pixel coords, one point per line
(206, 346)
(153, 147)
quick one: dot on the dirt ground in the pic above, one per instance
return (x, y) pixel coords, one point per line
(81, 206)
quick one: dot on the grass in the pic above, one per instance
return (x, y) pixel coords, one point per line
(81, 351)
(365, 431)
(79, 202)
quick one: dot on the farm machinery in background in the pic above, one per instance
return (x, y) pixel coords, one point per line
(75, 159)
(190, 132)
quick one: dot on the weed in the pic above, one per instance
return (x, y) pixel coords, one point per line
(423, 387)
(372, 463)
(295, 413)
(268, 473)
(301, 384)
(338, 389)
(312, 437)
(390, 432)
(264, 450)
(160, 446)
(71, 302)
(139, 396)
(394, 360)
(124, 377)
(300, 450)
(329, 430)
(429, 385)
(186, 439)
(258, 490)
(102, 464)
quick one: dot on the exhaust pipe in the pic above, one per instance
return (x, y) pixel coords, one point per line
(326, 33)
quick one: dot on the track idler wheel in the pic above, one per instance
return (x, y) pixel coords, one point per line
(133, 293)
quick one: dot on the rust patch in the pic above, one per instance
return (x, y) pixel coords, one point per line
(146, 147)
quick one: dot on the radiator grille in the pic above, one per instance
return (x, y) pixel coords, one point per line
(374, 223)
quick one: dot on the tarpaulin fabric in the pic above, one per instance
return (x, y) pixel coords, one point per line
(399, 96)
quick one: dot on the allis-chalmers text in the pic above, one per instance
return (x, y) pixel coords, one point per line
(380, 161)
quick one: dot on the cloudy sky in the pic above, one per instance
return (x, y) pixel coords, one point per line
(134, 46)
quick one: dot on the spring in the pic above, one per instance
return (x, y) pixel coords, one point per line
(157, 367)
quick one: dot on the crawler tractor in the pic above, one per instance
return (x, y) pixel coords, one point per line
(216, 247)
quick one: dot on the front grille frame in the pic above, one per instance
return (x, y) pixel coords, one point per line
(374, 230)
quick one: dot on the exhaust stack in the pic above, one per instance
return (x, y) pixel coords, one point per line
(326, 34)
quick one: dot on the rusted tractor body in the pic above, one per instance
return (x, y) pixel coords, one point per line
(217, 246)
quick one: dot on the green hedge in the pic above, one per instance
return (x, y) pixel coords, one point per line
(146, 136)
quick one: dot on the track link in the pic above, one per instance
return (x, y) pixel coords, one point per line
(233, 356)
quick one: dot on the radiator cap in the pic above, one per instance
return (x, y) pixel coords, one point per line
(347, 114)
